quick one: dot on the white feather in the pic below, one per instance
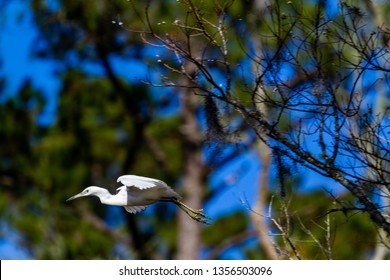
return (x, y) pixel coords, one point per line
(140, 182)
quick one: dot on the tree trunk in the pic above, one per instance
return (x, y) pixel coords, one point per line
(259, 216)
(193, 181)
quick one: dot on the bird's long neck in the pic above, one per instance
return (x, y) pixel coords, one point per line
(104, 196)
(107, 198)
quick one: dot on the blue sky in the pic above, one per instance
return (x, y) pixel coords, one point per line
(16, 38)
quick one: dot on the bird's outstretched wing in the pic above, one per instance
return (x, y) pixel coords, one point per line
(134, 209)
(140, 182)
(121, 188)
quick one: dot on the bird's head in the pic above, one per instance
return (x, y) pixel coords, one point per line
(96, 191)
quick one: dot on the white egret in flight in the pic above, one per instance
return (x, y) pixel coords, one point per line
(139, 192)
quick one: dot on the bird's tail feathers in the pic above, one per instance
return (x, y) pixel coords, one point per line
(134, 209)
